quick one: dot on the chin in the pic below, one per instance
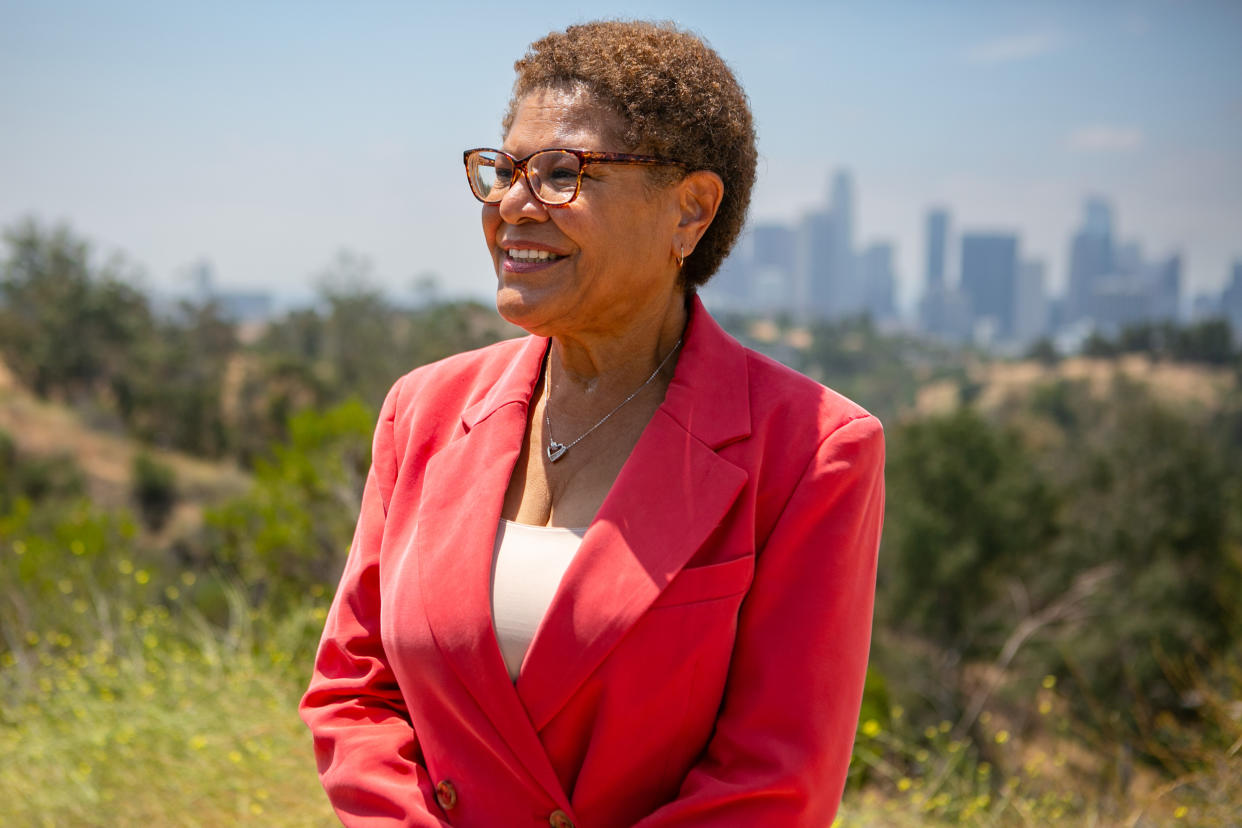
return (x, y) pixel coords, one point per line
(522, 308)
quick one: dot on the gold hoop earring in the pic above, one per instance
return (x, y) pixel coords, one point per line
(681, 256)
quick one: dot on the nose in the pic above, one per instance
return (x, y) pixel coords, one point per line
(519, 202)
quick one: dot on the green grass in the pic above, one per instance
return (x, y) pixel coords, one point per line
(161, 728)
(166, 720)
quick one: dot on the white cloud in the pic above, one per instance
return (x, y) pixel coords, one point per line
(1014, 47)
(1104, 138)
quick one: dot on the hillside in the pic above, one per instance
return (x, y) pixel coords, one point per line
(993, 384)
(41, 428)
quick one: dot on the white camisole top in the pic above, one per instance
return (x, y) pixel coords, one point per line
(527, 566)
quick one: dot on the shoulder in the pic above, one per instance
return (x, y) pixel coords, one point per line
(430, 400)
(782, 398)
(750, 394)
(804, 434)
(815, 456)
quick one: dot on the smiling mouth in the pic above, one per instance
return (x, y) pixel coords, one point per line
(526, 256)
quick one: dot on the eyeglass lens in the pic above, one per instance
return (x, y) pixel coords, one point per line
(551, 174)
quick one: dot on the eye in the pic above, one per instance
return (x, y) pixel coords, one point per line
(555, 168)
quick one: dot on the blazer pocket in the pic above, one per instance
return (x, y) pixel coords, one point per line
(706, 583)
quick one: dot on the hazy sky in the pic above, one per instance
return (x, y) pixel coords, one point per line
(267, 136)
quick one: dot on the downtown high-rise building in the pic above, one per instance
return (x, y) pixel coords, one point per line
(811, 270)
(1030, 313)
(813, 265)
(848, 291)
(989, 282)
(937, 248)
(943, 310)
(1231, 301)
(825, 265)
(773, 254)
(875, 272)
(1091, 260)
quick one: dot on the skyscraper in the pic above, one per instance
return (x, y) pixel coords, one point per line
(943, 311)
(773, 251)
(773, 246)
(989, 279)
(816, 254)
(1030, 303)
(1166, 289)
(731, 284)
(937, 237)
(848, 292)
(878, 281)
(1091, 258)
(1231, 301)
(1099, 217)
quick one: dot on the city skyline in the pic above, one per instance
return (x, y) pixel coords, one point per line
(992, 294)
(266, 139)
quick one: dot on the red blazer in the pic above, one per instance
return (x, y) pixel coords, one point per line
(702, 661)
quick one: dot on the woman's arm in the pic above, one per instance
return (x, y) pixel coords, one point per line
(783, 738)
(368, 754)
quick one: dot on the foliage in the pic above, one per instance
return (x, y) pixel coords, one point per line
(119, 696)
(72, 330)
(67, 569)
(35, 478)
(1044, 350)
(291, 532)
(1094, 538)
(161, 720)
(1209, 342)
(173, 396)
(1030, 762)
(65, 325)
(1155, 499)
(967, 510)
(154, 490)
(78, 331)
(1057, 633)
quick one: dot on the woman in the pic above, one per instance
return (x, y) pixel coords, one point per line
(619, 572)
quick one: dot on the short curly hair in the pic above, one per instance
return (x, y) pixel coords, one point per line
(677, 98)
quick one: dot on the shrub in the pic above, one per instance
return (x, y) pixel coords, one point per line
(153, 487)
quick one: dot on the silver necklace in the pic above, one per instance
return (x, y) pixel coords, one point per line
(557, 450)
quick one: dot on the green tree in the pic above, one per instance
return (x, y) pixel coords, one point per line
(1151, 493)
(66, 326)
(292, 530)
(153, 487)
(968, 518)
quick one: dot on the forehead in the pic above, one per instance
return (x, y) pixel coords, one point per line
(562, 118)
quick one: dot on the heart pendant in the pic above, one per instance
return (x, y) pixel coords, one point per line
(555, 450)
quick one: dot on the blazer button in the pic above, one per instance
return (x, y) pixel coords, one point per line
(446, 795)
(559, 819)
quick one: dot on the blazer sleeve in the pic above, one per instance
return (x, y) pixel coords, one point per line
(368, 754)
(785, 731)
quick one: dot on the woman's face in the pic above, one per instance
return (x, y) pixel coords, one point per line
(611, 249)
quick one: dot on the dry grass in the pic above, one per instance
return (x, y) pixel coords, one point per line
(1004, 382)
(42, 428)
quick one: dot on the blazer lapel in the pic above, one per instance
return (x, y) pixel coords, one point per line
(670, 495)
(462, 495)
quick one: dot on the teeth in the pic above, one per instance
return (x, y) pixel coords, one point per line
(531, 255)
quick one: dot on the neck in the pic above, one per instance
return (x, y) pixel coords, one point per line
(594, 364)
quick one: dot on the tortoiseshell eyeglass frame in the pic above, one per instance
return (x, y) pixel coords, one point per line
(584, 157)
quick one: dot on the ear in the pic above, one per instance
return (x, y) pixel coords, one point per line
(698, 197)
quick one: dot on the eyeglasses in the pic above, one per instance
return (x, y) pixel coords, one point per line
(553, 176)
